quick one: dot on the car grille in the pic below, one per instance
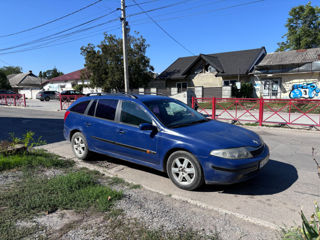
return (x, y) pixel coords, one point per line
(257, 151)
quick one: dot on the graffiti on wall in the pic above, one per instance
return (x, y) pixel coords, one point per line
(305, 90)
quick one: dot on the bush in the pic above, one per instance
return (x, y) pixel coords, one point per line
(246, 90)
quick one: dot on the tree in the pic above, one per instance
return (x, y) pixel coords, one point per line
(51, 73)
(303, 28)
(4, 83)
(7, 70)
(105, 64)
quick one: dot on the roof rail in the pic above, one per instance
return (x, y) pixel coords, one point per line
(118, 93)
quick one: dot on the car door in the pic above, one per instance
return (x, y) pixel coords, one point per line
(100, 127)
(135, 143)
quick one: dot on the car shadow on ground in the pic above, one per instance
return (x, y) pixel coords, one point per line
(274, 178)
(50, 130)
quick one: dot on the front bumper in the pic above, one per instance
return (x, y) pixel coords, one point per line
(222, 171)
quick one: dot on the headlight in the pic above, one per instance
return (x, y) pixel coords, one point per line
(232, 153)
(261, 140)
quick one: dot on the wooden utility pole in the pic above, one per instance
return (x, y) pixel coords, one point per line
(124, 42)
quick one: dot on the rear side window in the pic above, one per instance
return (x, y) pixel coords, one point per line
(92, 108)
(132, 113)
(80, 107)
(107, 109)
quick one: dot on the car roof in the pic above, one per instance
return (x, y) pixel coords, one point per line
(134, 97)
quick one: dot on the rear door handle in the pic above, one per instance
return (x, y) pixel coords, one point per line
(121, 131)
(88, 124)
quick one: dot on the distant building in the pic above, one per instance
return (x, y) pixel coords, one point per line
(211, 71)
(25, 83)
(68, 82)
(280, 73)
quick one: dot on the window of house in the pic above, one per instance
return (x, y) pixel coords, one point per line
(106, 109)
(271, 87)
(182, 86)
(229, 82)
(132, 113)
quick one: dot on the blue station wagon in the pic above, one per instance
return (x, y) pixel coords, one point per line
(164, 134)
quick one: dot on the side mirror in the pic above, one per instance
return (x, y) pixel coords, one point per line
(147, 126)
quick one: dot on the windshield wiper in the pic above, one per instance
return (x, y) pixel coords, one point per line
(189, 123)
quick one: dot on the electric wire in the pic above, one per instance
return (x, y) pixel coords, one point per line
(51, 21)
(163, 30)
(59, 36)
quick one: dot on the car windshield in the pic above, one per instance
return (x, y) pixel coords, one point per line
(173, 113)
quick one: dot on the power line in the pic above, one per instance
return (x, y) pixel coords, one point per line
(47, 44)
(158, 8)
(52, 21)
(46, 41)
(54, 34)
(158, 25)
(199, 13)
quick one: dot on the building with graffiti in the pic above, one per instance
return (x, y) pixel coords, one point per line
(293, 74)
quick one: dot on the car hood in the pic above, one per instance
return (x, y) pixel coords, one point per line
(219, 135)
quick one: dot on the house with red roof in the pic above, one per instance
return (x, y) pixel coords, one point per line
(68, 82)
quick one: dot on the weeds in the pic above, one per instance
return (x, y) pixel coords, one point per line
(36, 158)
(78, 191)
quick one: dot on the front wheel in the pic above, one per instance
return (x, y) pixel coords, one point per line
(80, 146)
(184, 170)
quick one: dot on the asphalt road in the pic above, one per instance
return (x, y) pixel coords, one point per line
(288, 183)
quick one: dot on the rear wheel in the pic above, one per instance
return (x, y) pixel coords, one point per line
(47, 99)
(80, 146)
(184, 170)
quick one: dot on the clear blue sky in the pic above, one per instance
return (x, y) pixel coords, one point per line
(202, 26)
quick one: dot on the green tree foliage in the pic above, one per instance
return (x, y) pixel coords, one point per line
(7, 70)
(303, 27)
(51, 73)
(4, 83)
(104, 63)
(245, 91)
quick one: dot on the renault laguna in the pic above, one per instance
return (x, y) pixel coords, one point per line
(164, 134)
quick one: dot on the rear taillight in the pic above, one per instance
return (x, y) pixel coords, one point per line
(66, 115)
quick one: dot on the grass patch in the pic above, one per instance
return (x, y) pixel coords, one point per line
(77, 190)
(36, 158)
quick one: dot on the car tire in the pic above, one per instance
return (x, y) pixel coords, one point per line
(185, 170)
(41, 99)
(47, 99)
(80, 146)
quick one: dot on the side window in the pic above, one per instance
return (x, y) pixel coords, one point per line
(106, 109)
(131, 113)
(92, 108)
(80, 107)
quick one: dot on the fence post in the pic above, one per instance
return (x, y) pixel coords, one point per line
(24, 100)
(15, 100)
(213, 108)
(60, 102)
(192, 103)
(260, 111)
(5, 98)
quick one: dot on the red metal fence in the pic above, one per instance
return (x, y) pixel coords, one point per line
(67, 100)
(13, 100)
(280, 111)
